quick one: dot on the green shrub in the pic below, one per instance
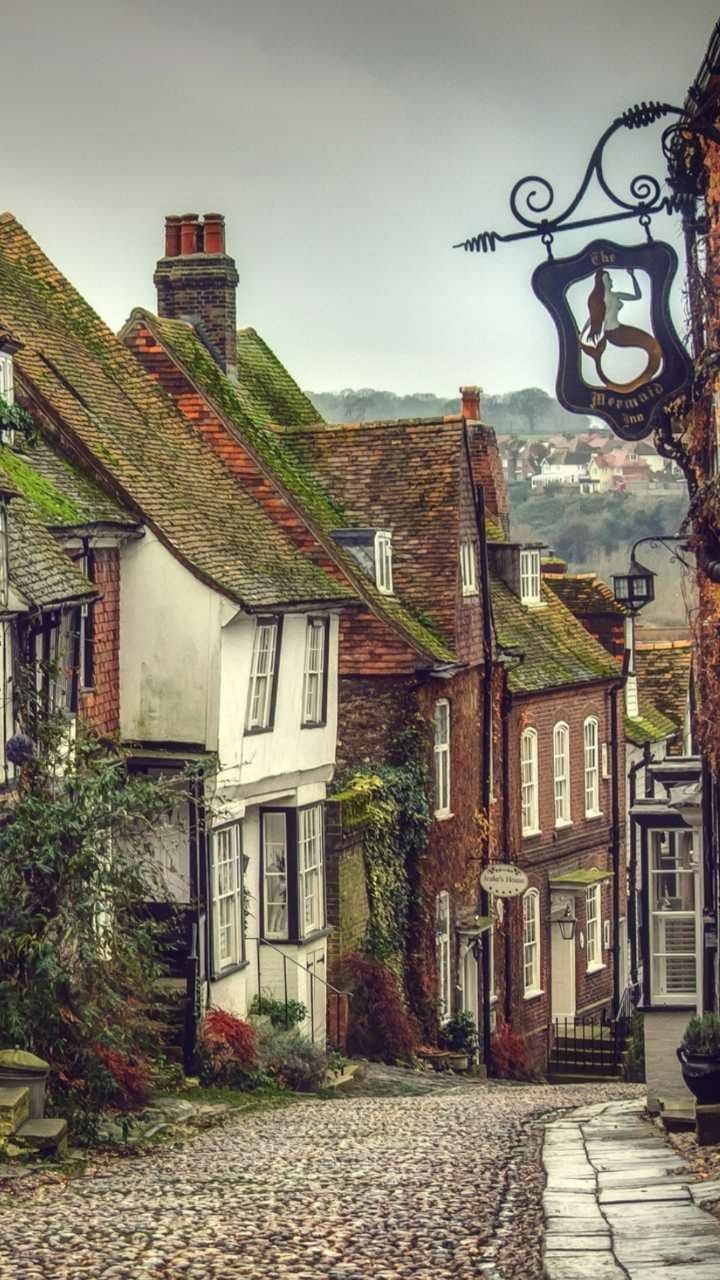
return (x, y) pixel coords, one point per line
(634, 1063)
(291, 1058)
(280, 1013)
(460, 1034)
(702, 1035)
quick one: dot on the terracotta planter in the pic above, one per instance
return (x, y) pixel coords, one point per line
(701, 1073)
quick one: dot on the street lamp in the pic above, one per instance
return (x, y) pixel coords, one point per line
(636, 588)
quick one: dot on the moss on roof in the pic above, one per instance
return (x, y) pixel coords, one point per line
(144, 450)
(584, 593)
(266, 383)
(650, 726)
(62, 495)
(557, 649)
(39, 568)
(579, 876)
(663, 671)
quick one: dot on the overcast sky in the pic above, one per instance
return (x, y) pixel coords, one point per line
(349, 144)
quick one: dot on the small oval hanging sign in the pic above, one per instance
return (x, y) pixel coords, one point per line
(504, 880)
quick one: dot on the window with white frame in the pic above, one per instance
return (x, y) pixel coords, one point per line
(673, 922)
(383, 562)
(310, 869)
(314, 684)
(468, 575)
(442, 949)
(529, 782)
(530, 577)
(592, 779)
(561, 773)
(531, 942)
(261, 693)
(593, 926)
(227, 914)
(442, 758)
(275, 874)
(7, 389)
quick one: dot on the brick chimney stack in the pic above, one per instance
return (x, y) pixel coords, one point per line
(197, 281)
(471, 403)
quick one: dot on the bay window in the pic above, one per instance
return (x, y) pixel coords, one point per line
(293, 872)
(228, 944)
(263, 675)
(673, 925)
(561, 773)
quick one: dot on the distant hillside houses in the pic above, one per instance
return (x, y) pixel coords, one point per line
(589, 462)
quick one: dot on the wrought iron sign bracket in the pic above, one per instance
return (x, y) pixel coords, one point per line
(532, 197)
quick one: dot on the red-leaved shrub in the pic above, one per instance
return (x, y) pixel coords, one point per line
(227, 1047)
(130, 1078)
(379, 1025)
(510, 1058)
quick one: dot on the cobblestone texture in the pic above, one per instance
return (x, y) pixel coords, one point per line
(446, 1184)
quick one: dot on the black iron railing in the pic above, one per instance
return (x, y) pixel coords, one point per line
(341, 998)
(591, 1046)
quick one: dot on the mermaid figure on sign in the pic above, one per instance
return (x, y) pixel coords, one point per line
(603, 326)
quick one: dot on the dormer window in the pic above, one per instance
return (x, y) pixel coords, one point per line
(383, 562)
(467, 567)
(530, 577)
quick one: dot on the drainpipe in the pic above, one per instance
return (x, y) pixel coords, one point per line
(506, 708)
(487, 638)
(632, 863)
(615, 842)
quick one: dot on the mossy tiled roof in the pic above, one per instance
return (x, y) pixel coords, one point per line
(650, 726)
(663, 670)
(582, 877)
(142, 447)
(62, 495)
(557, 649)
(39, 568)
(584, 593)
(322, 495)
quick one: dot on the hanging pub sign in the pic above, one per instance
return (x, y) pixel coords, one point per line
(620, 357)
(504, 880)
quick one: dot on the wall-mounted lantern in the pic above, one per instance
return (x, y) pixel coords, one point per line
(636, 588)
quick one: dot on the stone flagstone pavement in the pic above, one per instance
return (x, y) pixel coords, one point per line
(620, 1204)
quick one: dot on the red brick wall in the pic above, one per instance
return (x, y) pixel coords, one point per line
(488, 472)
(100, 707)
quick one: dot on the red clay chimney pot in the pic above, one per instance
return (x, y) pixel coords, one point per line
(189, 233)
(214, 233)
(471, 403)
(172, 236)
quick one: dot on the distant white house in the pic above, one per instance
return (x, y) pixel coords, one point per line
(567, 467)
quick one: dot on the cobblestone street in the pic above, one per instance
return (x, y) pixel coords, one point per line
(445, 1184)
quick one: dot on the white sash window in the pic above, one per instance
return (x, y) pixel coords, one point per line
(442, 758)
(592, 781)
(227, 919)
(561, 773)
(310, 869)
(529, 782)
(275, 879)
(531, 942)
(314, 675)
(262, 676)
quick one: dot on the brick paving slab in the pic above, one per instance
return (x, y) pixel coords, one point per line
(446, 1185)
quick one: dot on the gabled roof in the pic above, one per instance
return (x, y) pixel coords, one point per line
(557, 649)
(651, 725)
(130, 434)
(406, 477)
(296, 459)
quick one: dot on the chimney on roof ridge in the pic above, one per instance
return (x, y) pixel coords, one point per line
(197, 280)
(471, 403)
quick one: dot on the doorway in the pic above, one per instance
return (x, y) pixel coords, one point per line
(563, 974)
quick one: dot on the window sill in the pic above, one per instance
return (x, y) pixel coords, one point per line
(595, 813)
(251, 733)
(530, 832)
(219, 974)
(469, 593)
(561, 823)
(442, 815)
(534, 993)
(307, 940)
(314, 724)
(595, 968)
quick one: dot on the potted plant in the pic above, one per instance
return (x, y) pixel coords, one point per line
(459, 1036)
(699, 1055)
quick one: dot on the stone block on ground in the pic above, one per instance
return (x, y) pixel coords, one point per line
(14, 1109)
(707, 1124)
(49, 1137)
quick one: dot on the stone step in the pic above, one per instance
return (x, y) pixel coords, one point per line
(48, 1137)
(14, 1108)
